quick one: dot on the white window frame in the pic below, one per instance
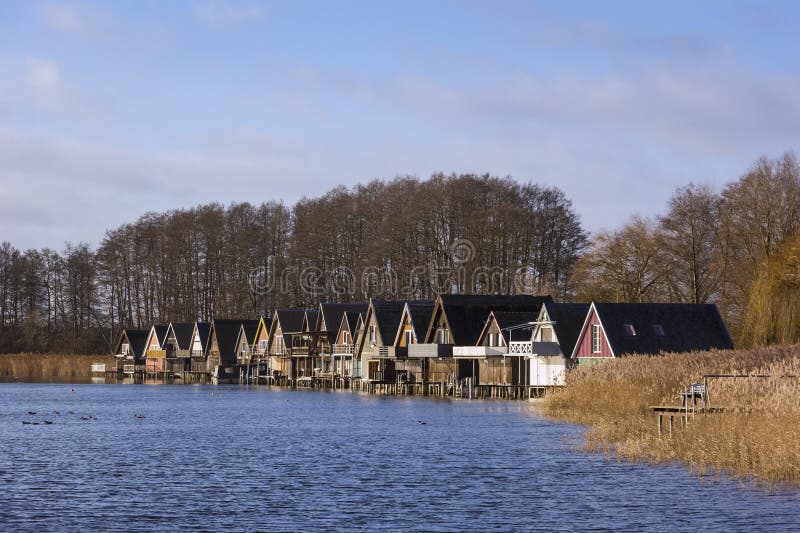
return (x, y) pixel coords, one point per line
(597, 345)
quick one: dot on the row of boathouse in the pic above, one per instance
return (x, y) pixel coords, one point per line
(460, 345)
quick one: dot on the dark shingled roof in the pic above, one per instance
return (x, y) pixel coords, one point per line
(569, 319)
(183, 334)
(388, 314)
(467, 314)
(227, 333)
(687, 327)
(508, 319)
(352, 322)
(420, 312)
(161, 334)
(137, 339)
(250, 327)
(203, 331)
(310, 320)
(332, 313)
(291, 321)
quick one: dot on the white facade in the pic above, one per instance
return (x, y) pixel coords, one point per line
(548, 364)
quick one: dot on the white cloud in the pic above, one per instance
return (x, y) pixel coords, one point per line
(62, 17)
(222, 14)
(42, 75)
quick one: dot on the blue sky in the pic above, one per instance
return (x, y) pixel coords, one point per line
(112, 109)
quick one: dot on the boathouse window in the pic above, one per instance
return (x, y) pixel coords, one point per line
(126, 348)
(373, 337)
(345, 337)
(444, 336)
(596, 338)
(262, 344)
(409, 337)
(547, 334)
(630, 331)
(658, 330)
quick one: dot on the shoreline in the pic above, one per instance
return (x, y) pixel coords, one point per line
(756, 437)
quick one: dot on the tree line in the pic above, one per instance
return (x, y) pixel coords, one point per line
(710, 247)
(404, 238)
(411, 238)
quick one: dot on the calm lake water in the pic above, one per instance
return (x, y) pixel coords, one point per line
(232, 458)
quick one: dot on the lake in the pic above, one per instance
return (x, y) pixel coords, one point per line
(244, 459)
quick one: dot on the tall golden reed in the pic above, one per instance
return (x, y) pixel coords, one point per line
(50, 366)
(758, 436)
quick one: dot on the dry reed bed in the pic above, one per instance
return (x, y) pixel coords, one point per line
(757, 437)
(50, 365)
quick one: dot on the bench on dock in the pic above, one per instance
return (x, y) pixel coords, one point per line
(694, 392)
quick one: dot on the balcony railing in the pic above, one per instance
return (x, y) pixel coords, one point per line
(343, 349)
(430, 350)
(156, 354)
(478, 351)
(522, 348)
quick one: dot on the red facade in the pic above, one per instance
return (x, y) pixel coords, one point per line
(585, 343)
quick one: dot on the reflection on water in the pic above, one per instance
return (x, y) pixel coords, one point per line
(202, 457)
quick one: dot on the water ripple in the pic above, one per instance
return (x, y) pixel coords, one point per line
(257, 459)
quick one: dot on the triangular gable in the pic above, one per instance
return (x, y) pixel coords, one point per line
(262, 331)
(274, 327)
(242, 342)
(368, 319)
(344, 326)
(200, 336)
(542, 321)
(581, 347)
(405, 320)
(152, 342)
(491, 319)
(438, 311)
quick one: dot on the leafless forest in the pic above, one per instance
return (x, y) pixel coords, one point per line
(410, 238)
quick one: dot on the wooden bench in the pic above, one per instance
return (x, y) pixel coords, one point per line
(694, 392)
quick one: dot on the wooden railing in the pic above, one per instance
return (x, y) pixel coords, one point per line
(342, 349)
(525, 347)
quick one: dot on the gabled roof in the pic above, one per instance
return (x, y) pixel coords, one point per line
(290, 320)
(136, 339)
(420, 312)
(263, 323)
(183, 334)
(331, 314)
(467, 314)
(227, 334)
(249, 328)
(203, 330)
(360, 321)
(686, 327)
(388, 314)
(350, 321)
(310, 319)
(160, 333)
(247, 331)
(568, 320)
(509, 319)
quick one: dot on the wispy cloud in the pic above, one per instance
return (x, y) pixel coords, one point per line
(220, 14)
(62, 17)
